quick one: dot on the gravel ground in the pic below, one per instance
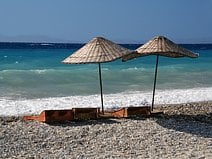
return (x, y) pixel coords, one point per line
(183, 131)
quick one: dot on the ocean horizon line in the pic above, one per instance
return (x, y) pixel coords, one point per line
(61, 45)
(121, 43)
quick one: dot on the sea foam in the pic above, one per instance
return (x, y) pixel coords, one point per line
(14, 107)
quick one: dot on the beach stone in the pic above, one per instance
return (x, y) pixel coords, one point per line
(184, 131)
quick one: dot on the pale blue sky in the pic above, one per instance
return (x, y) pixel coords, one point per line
(123, 21)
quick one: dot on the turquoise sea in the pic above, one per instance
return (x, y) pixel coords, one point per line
(32, 72)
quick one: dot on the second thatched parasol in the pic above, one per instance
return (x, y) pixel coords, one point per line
(98, 50)
(162, 46)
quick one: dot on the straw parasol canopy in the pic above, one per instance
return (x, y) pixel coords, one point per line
(160, 46)
(98, 50)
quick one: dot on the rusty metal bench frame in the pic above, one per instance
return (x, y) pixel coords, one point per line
(52, 116)
(131, 111)
(65, 115)
(88, 114)
(85, 113)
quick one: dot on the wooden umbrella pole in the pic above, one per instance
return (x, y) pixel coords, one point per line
(100, 80)
(156, 70)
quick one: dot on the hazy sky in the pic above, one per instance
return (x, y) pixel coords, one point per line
(123, 21)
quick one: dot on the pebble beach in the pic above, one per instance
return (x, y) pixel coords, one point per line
(183, 131)
(59, 57)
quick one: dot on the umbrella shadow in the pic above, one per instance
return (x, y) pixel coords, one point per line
(140, 117)
(200, 124)
(83, 122)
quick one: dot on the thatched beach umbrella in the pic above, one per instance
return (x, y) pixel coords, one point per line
(98, 50)
(160, 46)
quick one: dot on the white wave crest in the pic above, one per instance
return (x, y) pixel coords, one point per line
(39, 71)
(11, 107)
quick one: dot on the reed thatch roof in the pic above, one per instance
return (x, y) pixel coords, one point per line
(160, 45)
(98, 50)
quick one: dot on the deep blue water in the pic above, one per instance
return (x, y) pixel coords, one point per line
(34, 70)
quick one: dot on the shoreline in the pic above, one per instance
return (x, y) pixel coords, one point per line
(17, 107)
(184, 131)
